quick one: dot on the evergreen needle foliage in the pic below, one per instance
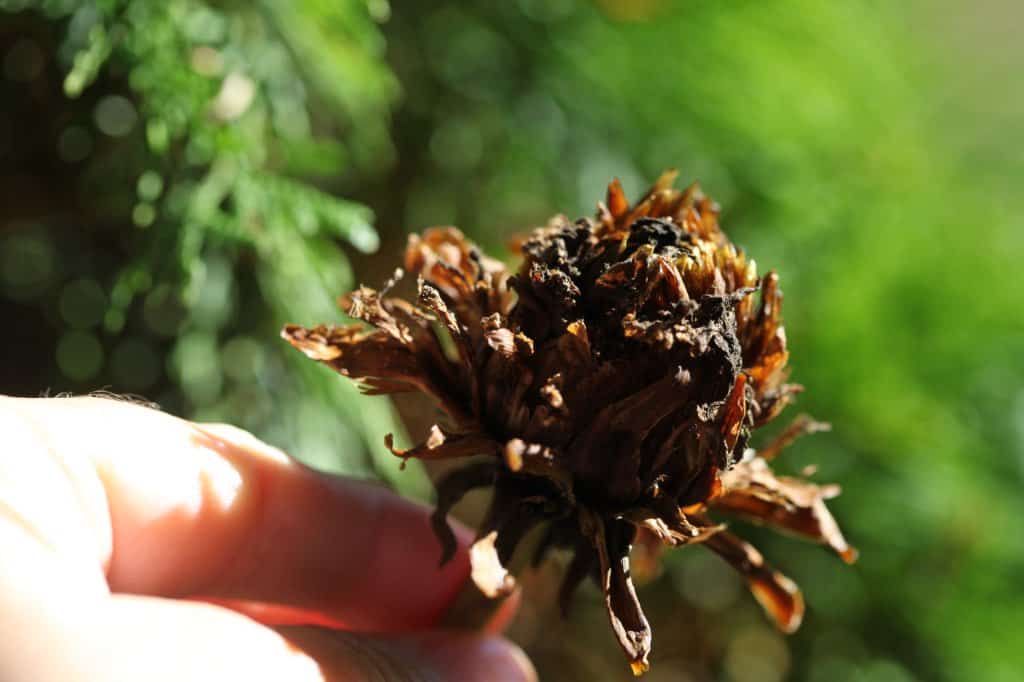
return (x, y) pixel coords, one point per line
(219, 135)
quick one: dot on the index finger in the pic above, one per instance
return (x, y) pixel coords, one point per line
(211, 511)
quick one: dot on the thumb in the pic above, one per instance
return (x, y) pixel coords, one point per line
(427, 657)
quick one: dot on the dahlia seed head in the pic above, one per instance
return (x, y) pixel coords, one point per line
(608, 388)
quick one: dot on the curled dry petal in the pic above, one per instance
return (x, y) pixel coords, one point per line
(612, 544)
(673, 530)
(753, 491)
(488, 573)
(441, 445)
(450, 489)
(801, 426)
(611, 385)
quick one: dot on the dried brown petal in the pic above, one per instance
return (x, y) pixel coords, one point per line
(450, 489)
(441, 445)
(366, 355)
(512, 514)
(616, 201)
(675, 529)
(753, 491)
(735, 411)
(488, 573)
(533, 459)
(612, 544)
(801, 426)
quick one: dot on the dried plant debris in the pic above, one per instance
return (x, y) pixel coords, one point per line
(608, 387)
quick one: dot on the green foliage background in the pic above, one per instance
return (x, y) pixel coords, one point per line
(868, 151)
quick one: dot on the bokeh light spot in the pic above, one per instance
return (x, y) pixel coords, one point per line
(707, 583)
(74, 144)
(158, 135)
(113, 320)
(79, 355)
(115, 115)
(215, 299)
(163, 311)
(236, 94)
(26, 265)
(149, 186)
(135, 364)
(195, 362)
(243, 358)
(757, 654)
(143, 214)
(82, 303)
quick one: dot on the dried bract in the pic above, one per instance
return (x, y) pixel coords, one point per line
(608, 387)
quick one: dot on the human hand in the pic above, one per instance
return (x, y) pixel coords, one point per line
(137, 546)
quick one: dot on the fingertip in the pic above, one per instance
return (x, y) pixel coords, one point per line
(230, 436)
(474, 657)
(405, 586)
(445, 656)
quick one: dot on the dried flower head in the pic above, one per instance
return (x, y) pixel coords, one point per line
(607, 388)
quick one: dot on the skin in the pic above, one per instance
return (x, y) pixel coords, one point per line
(134, 545)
